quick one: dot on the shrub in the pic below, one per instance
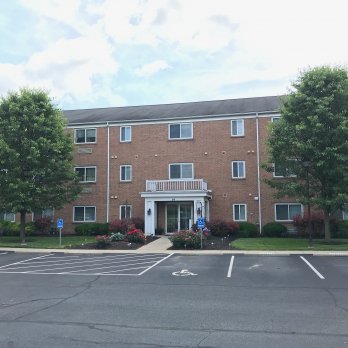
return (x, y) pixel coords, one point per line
(92, 229)
(30, 228)
(342, 230)
(119, 226)
(186, 239)
(43, 224)
(138, 223)
(273, 229)
(102, 241)
(159, 230)
(135, 236)
(317, 218)
(9, 228)
(116, 236)
(221, 228)
(247, 230)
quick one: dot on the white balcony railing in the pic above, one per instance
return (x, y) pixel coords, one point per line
(176, 185)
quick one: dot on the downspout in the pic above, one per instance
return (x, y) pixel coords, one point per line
(258, 171)
(108, 175)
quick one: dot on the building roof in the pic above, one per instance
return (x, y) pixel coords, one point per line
(212, 108)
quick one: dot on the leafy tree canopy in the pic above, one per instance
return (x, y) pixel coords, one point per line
(36, 169)
(311, 139)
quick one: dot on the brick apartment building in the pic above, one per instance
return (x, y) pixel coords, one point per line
(170, 164)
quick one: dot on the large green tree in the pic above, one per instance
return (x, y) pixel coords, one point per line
(311, 141)
(36, 170)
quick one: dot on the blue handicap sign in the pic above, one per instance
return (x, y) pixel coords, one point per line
(200, 223)
(60, 223)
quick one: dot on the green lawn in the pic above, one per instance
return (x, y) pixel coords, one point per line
(45, 242)
(288, 244)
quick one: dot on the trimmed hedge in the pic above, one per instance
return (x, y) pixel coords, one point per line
(342, 230)
(12, 229)
(247, 230)
(92, 229)
(274, 229)
(222, 228)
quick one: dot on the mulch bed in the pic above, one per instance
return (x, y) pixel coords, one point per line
(214, 243)
(119, 245)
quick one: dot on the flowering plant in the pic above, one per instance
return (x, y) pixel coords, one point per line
(135, 236)
(102, 241)
(186, 239)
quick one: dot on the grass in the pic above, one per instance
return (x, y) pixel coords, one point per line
(49, 242)
(288, 244)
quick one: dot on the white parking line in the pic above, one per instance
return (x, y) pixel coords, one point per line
(158, 262)
(230, 267)
(312, 268)
(3, 253)
(34, 258)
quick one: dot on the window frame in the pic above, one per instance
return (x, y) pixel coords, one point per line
(84, 213)
(180, 124)
(131, 172)
(244, 170)
(243, 129)
(130, 134)
(123, 206)
(275, 118)
(85, 175)
(4, 216)
(181, 164)
(345, 212)
(245, 211)
(288, 204)
(85, 130)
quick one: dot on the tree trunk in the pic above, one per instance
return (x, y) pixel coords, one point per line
(22, 227)
(327, 226)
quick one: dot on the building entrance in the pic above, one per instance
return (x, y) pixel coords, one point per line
(179, 216)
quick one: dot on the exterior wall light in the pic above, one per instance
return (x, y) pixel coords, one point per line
(149, 211)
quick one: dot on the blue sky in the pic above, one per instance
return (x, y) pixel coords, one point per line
(101, 53)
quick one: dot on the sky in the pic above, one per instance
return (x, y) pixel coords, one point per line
(102, 53)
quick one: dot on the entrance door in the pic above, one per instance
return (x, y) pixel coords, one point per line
(178, 216)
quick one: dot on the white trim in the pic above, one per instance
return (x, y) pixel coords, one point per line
(259, 196)
(130, 211)
(180, 164)
(131, 172)
(238, 177)
(130, 134)
(84, 212)
(345, 212)
(288, 204)
(243, 128)
(108, 176)
(85, 181)
(180, 124)
(188, 119)
(85, 142)
(246, 211)
(274, 118)
(6, 213)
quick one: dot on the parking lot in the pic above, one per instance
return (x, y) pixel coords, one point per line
(160, 300)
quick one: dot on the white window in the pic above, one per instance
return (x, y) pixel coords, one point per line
(84, 214)
(286, 211)
(237, 128)
(43, 213)
(86, 174)
(180, 131)
(126, 172)
(275, 118)
(280, 171)
(85, 135)
(239, 212)
(125, 211)
(181, 171)
(11, 217)
(126, 134)
(238, 169)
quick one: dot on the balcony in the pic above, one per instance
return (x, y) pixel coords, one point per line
(176, 185)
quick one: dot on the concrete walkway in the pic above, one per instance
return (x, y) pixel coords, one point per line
(162, 244)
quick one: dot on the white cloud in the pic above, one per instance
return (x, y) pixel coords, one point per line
(150, 69)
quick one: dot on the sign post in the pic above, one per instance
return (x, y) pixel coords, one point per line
(60, 224)
(201, 225)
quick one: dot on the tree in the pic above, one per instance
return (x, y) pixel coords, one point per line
(311, 141)
(36, 170)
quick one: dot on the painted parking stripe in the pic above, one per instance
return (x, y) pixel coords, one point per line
(158, 262)
(230, 267)
(3, 253)
(312, 268)
(33, 258)
(103, 266)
